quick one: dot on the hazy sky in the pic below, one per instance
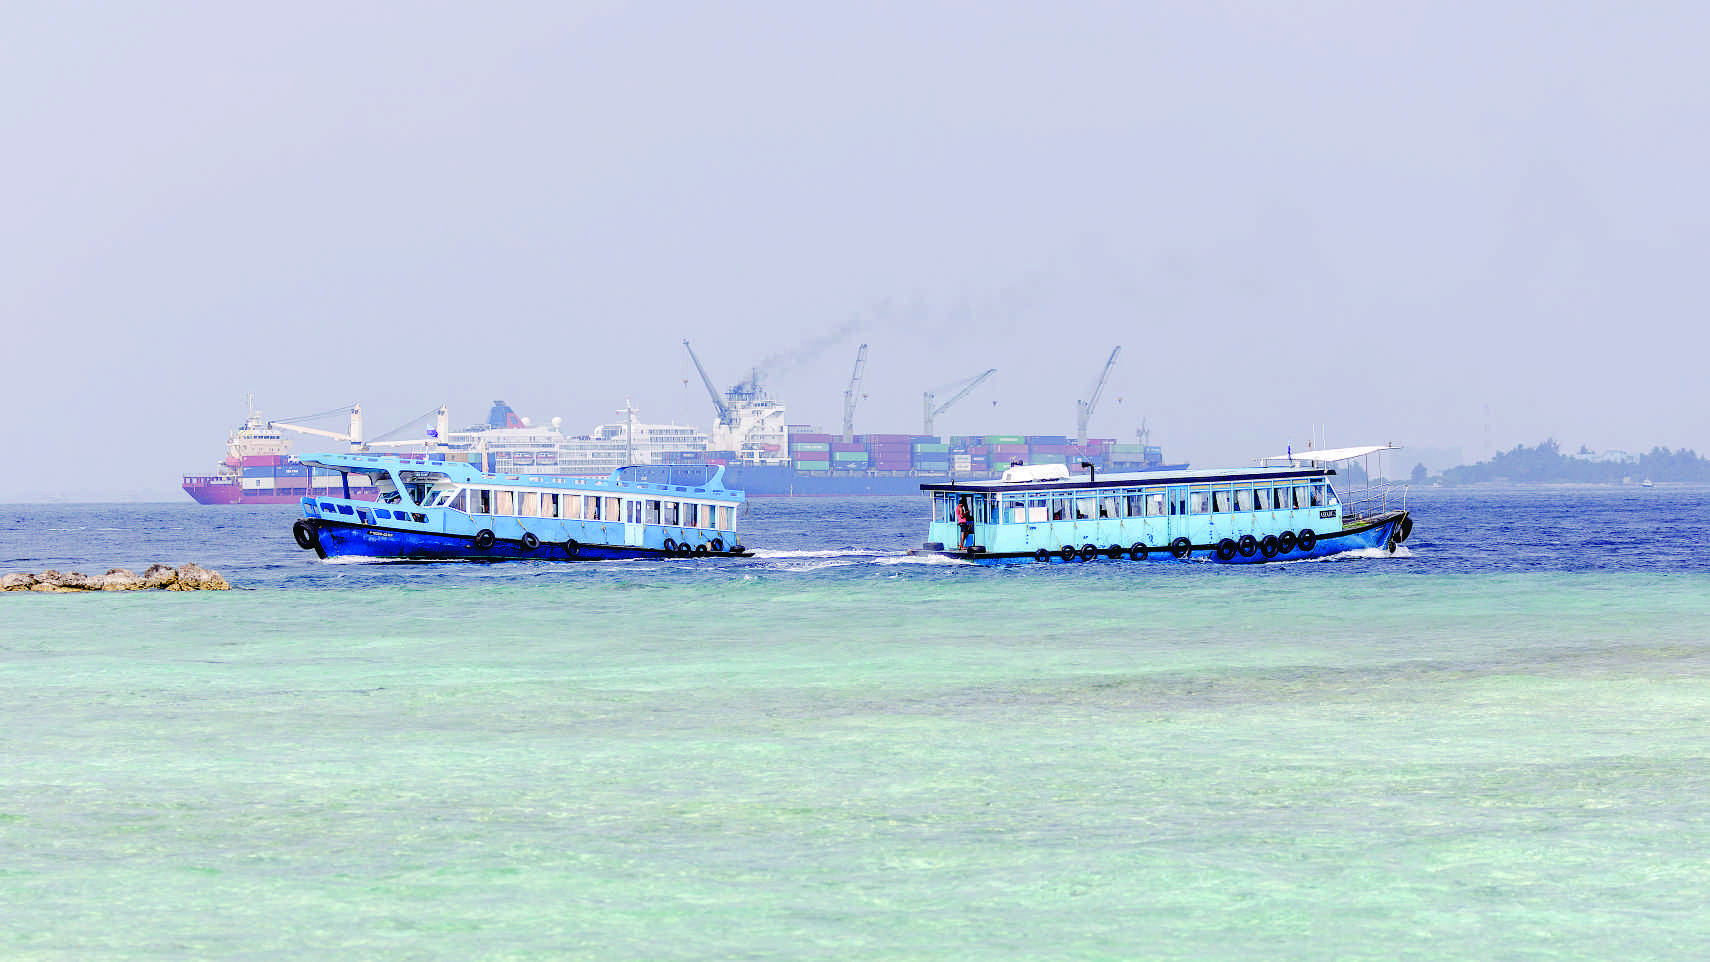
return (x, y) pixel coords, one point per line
(1373, 218)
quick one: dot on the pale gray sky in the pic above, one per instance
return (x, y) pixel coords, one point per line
(1374, 218)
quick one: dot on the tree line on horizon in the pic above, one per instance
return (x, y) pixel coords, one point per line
(1546, 462)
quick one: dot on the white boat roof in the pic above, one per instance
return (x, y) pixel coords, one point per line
(1329, 455)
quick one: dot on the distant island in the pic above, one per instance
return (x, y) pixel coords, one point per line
(1546, 462)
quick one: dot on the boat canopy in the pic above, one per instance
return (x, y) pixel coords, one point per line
(1329, 455)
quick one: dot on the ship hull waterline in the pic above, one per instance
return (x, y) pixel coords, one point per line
(1383, 532)
(333, 539)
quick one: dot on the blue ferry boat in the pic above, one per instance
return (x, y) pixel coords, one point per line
(1043, 514)
(448, 510)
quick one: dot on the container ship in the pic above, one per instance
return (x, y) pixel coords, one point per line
(259, 469)
(763, 455)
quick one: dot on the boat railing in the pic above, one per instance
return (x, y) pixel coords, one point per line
(1373, 500)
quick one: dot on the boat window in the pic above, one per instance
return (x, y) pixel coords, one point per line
(725, 521)
(1220, 501)
(591, 509)
(651, 514)
(670, 512)
(1085, 508)
(460, 502)
(550, 503)
(1154, 503)
(632, 511)
(1330, 495)
(1318, 495)
(612, 511)
(1136, 504)
(504, 502)
(483, 501)
(1197, 502)
(691, 515)
(528, 504)
(1261, 499)
(1243, 499)
(1109, 506)
(1060, 509)
(1014, 511)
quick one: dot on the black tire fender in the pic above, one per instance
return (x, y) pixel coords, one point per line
(1225, 549)
(1068, 552)
(1285, 542)
(670, 546)
(1268, 547)
(1114, 552)
(1041, 555)
(1404, 529)
(1248, 545)
(1138, 551)
(571, 548)
(1181, 548)
(529, 541)
(717, 545)
(1089, 552)
(1307, 539)
(304, 532)
(484, 539)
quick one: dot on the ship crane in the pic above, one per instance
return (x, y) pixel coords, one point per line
(1084, 409)
(436, 435)
(850, 398)
(932, 412)
(354, 437)
(725, 417)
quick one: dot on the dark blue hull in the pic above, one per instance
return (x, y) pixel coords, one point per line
(338, 540)
(1384, 532)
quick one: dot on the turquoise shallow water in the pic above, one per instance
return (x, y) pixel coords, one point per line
(830, 751)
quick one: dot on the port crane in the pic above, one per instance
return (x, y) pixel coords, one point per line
(969, 385)
(1084, 409)
(850, 398)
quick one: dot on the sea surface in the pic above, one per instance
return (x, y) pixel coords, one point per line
(1494, 744)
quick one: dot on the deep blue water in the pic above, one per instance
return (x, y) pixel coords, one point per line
(1490, 745)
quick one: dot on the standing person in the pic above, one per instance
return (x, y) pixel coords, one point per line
(964, 525)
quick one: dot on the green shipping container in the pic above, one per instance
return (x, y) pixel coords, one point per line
(849, 456)
(813, 465)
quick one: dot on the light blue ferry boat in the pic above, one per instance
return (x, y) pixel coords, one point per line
(1270, 512)
(447, 510)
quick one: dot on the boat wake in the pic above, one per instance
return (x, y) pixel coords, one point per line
(1359, 554)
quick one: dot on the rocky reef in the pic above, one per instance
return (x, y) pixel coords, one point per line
(186, 577)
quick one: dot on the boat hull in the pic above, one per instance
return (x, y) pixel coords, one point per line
(334, 539)
(1384, 532)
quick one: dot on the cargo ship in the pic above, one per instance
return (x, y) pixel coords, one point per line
(259, 469)
(762, 454)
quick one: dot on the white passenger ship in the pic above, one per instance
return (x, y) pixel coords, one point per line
(1270, 512)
